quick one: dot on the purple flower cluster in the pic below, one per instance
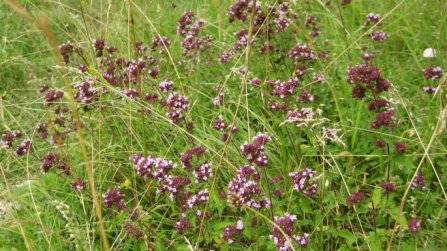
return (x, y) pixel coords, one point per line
(79, 184)
(379, 36)
(374, 18)
(301, 54)
(176, 104)
(400, 147)
(418, 182)
(247, 188)
(388, 187)
(230, 231)
(9, 138)
(286, 223)
(113, 197)
(162, 42)
(414, 225)
(368, 56)
(430, 89)
(312, 22)
(432, 72)
(52, 96)
(368, 75)
(299, 116)
(144, 165)
(23, 147)
(301, 181)
(87, 93)
(54, 159)
(355, 198)
(380, 143)
(186, 158)
(43, 88)
(286, 88)
(182, 225)
(203, 172)
(198, 198)
(255, 151)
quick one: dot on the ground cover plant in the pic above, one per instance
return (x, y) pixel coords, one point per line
(223, 125)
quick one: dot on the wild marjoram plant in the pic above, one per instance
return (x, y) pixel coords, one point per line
(194, 148)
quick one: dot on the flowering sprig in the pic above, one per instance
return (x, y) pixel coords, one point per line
(230, 231)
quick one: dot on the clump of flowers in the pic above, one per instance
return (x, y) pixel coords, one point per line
(414, 225)
(355, 198)
(255, 151)
(79, 184)
(230, 231)
(379, 36)
(418, 181)
(286, 224)
(301, 181)
(366, 77)
(247, 189)
(388, 187)
(9, 138)
(400, 147)
(54, 159)
(23, 147)
(380, 143)
(113, 197)
(203, 172)
(432, 72)
(176, 104)
(182, 225)
(374, 18)
(52, 96)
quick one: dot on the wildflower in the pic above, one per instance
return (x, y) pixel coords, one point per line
(377, 104)
(153, 72)
(418, 182)
(388, 187)
(430, 89)
(380, 143)
(166, 85)
(368, 75)
(355, 198)
(8, 138)
(151, 98)
(277, 192)
(114, 197)
(55, 159)
(286, 223)
(300, 181)
(230, 231)
(414, 225)
(176, 104)
(385, 118)
(400, 147)
(42, 88)
(79, 184)
(255, 82)
(373, 17)
(219, 124)
(203, 172)
(368, 56)
(378, 36)
(198, 198)
(182, 225)
(23, 147)
(432, 72)
(52, 96)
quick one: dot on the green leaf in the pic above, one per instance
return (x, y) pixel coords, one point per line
(349, 237)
